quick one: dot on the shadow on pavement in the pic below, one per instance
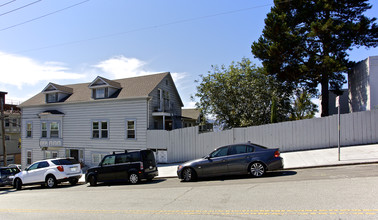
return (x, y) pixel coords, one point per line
(10, 189)
(234, 177)
(154, 181)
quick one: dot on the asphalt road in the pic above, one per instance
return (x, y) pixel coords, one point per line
(347, 192)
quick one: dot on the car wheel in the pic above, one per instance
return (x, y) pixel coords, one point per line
(188, 174)
(51, 181)
(133, 178)
(257, 169)
(73, 181)
(92, 181)
(18, 184)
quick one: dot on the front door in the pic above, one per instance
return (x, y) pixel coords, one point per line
(216, 164)
(75, 154)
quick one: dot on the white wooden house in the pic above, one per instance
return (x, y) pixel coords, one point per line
(89, 120)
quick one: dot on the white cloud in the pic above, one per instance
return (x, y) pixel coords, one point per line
(20, 71)
(122, 67)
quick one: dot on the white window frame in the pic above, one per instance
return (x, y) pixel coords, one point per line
(100, 93)
(29, 157)
(99, 156)
(54, 129)
(52, 97)
(128, 129)
(31, 129)
(48, 129)
(100, 129)
(51, 156)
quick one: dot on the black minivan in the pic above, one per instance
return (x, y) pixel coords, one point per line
(130, 166)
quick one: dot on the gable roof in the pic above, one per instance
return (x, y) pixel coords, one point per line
(57, 88)
(106, 81)
(135, 87)
(192, 113)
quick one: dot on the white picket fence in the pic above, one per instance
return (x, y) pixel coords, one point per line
(187, 143)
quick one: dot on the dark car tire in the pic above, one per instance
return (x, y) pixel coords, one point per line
(257, 169)
(188, 174)
(133, 178)
(51, 181)
(18, 184)
(92, 180)
(73, 181)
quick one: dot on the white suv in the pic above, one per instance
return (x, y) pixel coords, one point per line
(49, 172)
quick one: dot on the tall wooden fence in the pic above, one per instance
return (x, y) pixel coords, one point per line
(187, 143)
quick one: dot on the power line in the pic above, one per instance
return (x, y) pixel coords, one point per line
(147, 28)
(20, 8)
(54, 12)
(7, 3)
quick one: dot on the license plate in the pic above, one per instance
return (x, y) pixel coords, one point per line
(73, 169)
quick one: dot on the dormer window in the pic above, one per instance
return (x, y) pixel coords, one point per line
(100, 93)
(56, 93)
(51, 97)
(103, 88)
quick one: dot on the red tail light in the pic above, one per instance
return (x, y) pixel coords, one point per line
(141, 165)
(277, 153)
(60, 168)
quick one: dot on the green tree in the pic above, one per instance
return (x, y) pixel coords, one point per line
(303, 107)
(241, 95)
(305, 42)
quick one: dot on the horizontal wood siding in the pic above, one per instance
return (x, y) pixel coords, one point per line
(77, 127)
(186, 144)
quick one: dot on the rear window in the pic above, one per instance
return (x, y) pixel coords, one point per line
(148, 155)
(65, 162)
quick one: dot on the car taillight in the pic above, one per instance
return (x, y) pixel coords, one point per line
(141, 165)
(60, 168)
(277, 153)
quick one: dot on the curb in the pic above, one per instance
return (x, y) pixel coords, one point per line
(331, 165)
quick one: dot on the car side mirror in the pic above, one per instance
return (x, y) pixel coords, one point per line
(207, 157)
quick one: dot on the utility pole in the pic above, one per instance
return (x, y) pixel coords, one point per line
(3, 131)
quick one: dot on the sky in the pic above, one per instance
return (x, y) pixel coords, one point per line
(74, 41)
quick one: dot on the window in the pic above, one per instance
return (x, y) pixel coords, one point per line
(50, 129)
(43, 164)
(28, 157)
(6, 122)
(51, 154)
(52, 97)
(29, 130)
(97, 157)
(220, 152)
(14, 122)
(100, 129)
(7, 138)
(240, 149)
(130, 129)
(54, 130)
(121, 158)
(109, 160)
(44, 129)
(33, 166)
(100, 93)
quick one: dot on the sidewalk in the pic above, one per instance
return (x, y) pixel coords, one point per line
(306, 159)
(310, 158)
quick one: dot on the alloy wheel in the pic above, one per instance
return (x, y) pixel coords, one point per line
(133, 178)
(257, 169)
